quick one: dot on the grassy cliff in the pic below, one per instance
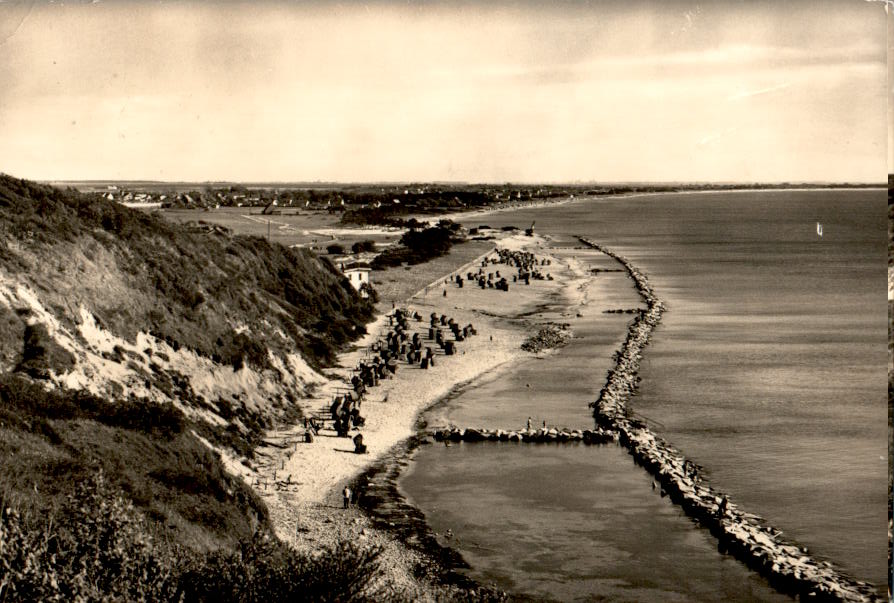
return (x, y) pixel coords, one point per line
(97, 296)
(134, 271)
(127, 344)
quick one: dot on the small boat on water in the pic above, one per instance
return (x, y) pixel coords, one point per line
(819, 229)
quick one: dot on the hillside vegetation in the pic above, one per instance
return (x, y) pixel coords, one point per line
(134, 271)
(133, 305)
(132, 354)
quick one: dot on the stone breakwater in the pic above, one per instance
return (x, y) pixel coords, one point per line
(538, 436)
(622, 380)
(788, 567)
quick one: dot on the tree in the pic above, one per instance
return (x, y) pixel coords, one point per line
(361, 246)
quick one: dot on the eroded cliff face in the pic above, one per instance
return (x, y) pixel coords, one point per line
(86, 356)
(230, 330)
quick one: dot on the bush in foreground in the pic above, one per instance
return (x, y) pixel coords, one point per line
(266, 570)
(98, 547)
(95, 548)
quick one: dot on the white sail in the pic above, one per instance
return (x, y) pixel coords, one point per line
(819, 229)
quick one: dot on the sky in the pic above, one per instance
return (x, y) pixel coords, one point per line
(521, 91)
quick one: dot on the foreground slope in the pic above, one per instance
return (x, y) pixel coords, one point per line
(130, 348)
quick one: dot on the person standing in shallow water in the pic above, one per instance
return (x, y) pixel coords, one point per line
(347, 494)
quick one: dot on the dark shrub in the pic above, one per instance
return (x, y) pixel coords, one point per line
(95, 548)
(143, 415)
(418, 246)
(266, 570)
(242, 350)
(371, 293)
(362, 246)
(41, 354)
(29, 399)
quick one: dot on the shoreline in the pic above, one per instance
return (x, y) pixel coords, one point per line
(306, 479)
(389, 509)
(475, 213)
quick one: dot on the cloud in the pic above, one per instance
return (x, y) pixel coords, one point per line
(888, 4)
(710, 138)
(750, 93)
(427, 91)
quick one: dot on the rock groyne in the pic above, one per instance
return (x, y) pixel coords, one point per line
(788, 567)
(537, 436)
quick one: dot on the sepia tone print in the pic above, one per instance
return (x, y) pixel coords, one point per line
(435, 301)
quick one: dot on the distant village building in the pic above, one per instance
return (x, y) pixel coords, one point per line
(142, 204)
(357, 274)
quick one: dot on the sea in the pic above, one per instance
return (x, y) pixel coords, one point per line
(768, 370)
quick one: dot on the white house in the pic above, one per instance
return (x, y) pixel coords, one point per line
(358, 274)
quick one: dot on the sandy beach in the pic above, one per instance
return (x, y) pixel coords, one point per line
(302, 483)
(503, 208)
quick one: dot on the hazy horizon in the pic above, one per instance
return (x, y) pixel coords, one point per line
(880, 183)
(512, 91)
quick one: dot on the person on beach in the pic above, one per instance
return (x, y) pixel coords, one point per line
(347, 496)
(529, 423)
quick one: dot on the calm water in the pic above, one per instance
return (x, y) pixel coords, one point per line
(769, 369)
(573, 522)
